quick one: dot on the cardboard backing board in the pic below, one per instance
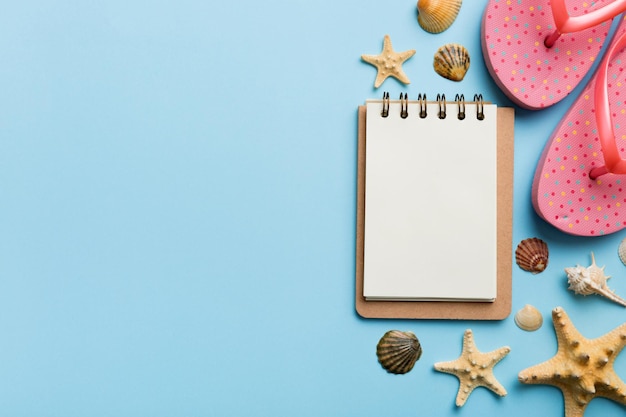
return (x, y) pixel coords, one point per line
(497, 310)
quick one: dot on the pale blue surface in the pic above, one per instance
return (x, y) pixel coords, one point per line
(177, 216)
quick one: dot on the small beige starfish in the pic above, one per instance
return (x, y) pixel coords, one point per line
(389, 63)
(582, 368)
(474, 369)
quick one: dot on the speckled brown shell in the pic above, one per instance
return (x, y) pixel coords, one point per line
(452, 61)
(435, 16)
(398, 351)
(532, 255)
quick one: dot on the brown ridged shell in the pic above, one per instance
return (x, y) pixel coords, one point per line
(452, 61)
(532, 255)
(435, 16)
(398, 351)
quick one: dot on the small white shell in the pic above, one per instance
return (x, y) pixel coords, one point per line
(528, 318)
(435, 16)
(621, 251)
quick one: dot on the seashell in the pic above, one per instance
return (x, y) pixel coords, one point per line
(529, 318)
(591, 280)
(435, 16)
(452, 61)
(398, 351)
(621, 251)
(532, 255)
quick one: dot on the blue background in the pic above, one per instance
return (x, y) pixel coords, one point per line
(177, 215)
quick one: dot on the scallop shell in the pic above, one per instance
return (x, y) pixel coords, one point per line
(621, 251)
(452, 61)
(529, 318)
(398, 351)
(435, 16)
(532, 255)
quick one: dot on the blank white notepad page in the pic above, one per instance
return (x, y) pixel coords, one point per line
(430, 204)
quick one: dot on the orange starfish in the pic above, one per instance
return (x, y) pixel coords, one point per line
(474, 369)
(389, 63)
(582, 368)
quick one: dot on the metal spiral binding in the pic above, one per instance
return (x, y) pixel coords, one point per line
(480, 106)
(385, 111)
(422, 102)
(404, 105)
(460, 102)
(441, 100)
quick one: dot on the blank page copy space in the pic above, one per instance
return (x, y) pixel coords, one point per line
(430, 204)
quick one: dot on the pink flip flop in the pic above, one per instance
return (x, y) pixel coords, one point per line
(580, 181)
(536, 52)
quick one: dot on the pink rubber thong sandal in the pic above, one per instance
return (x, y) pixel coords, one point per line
(580, 181)
(536, 52)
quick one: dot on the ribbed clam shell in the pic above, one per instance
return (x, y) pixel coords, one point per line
(528, 318)
(452, 61)
(532, 255)
(621, 251)
(398, 351)
(435, 16)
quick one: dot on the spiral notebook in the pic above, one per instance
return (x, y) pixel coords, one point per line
(434, 215)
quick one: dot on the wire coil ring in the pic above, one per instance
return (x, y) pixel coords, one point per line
(422, 106)
(480, 106)
(385, 111)
(404, 105)
(441, 101)
(460, 102)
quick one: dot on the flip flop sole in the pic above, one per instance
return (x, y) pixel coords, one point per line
(530, 74)
(563, 194)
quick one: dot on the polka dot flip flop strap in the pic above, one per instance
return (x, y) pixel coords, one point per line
(580, 181)
(514, 38)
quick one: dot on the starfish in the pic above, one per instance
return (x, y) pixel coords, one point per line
(389, 63)
(582, 368)
(474, 369)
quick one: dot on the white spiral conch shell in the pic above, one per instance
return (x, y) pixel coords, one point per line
(591, 280)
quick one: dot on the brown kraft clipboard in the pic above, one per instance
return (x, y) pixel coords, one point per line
(496, 310)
